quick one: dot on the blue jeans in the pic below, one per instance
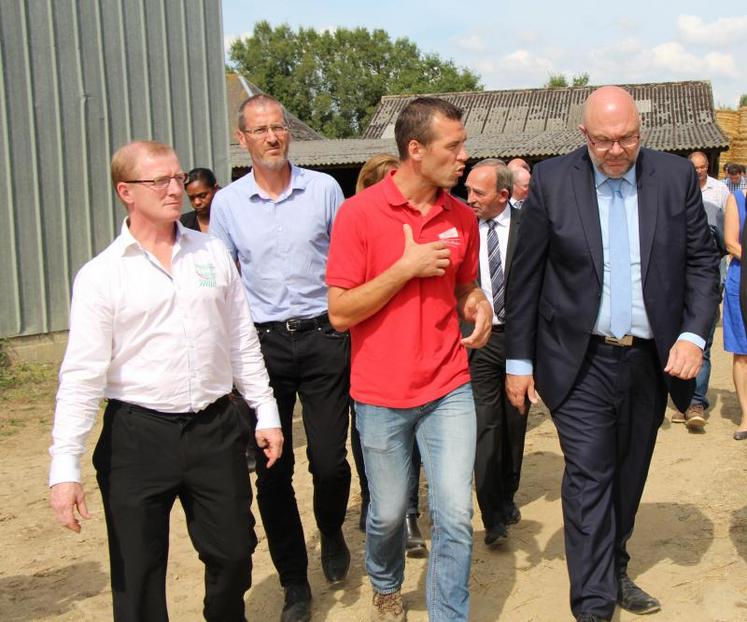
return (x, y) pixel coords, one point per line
(445, 433)
(700, 395)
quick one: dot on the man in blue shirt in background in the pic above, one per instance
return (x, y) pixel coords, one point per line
(276, 222)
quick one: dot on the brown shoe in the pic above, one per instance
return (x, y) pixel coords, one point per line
(694, 419)
(678, 417)
(388, 607)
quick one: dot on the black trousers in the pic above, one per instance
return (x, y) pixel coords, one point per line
(315, 364)
(501, 430)
(607, 428)
(144, 460)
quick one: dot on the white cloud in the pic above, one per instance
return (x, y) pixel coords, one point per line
(473, 43)
(629, 61)
(528, 36)
(673, 57)
(718, 33)
(722, 64)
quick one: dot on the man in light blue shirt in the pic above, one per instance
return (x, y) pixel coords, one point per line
(276, 222)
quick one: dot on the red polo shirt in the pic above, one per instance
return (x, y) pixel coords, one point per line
(409, 352)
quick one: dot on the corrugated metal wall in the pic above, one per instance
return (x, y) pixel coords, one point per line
(79, 78)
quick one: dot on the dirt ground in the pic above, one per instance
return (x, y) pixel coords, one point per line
(689, 548)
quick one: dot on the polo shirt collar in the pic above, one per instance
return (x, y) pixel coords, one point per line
(395, 198)
(298, 181)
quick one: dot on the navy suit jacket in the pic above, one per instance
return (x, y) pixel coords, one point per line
(555, 285)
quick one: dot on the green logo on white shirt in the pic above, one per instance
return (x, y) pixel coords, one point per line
(206, 274)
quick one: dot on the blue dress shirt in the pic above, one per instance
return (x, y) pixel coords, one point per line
(281, 244)
(640, 326)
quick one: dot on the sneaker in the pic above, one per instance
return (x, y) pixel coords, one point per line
(694, 417)
(388, 607)
(678, 417)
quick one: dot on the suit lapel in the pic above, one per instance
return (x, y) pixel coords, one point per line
(582, 179)
(648, 207)
(512, 229)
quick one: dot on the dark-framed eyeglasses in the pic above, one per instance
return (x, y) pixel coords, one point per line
(626, 142)
(261, 132)
(161, 183)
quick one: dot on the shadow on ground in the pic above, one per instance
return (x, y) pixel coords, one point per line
(44, 593)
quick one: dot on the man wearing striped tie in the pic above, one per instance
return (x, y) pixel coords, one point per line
(501, 428)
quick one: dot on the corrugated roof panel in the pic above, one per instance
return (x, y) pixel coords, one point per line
(78, 80)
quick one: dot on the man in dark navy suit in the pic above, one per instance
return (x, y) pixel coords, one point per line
(613, 288)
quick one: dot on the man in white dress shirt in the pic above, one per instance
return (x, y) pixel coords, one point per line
(160, 327)
(501, 428)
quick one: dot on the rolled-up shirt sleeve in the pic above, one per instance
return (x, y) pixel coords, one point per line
(82, 375)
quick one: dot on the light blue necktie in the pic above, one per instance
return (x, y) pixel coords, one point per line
(621, 296)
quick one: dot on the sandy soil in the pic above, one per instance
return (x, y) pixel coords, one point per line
(689, 548)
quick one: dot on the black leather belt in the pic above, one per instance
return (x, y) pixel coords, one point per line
(624, 342)
(296, 325)
(499, 328)
(221, 402)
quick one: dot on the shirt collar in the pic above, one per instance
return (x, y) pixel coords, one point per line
(126, 241)
(600, 177)
(395, 198)
(503, 219)
(298, 181)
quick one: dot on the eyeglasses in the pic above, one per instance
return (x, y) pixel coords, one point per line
(261, 132)
(160, 183)
(626, 142)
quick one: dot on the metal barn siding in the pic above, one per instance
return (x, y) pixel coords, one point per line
(79, 78)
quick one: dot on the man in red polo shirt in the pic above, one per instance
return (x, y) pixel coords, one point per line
(402, 263)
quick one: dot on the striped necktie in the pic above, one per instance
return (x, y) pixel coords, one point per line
(496, 271)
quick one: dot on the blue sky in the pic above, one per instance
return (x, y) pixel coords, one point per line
(518, 44)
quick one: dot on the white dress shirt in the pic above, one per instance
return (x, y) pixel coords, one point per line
(173, 342)
(502, 224)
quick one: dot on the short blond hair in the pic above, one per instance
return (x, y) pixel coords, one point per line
(126, 158)
(374, 169)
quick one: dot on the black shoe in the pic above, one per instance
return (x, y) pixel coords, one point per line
(297, 607)
(364, 515)
(415, 542)
(496, 535)
(335, 557)
(632, 598)
(590, 617)
(511, 513)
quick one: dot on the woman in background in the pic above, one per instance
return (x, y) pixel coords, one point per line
(735, 336)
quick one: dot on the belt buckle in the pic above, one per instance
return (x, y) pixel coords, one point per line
(292, 325)
(626, 341)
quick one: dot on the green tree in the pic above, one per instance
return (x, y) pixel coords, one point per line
(580, 79)
(559, 81)
(556, 81)
(743, 100)
(333, 80)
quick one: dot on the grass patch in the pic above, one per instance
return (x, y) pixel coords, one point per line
(25, 390)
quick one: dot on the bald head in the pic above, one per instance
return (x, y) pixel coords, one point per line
(612, 128)
(519, 163)
(609, 104)
(521, 184)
